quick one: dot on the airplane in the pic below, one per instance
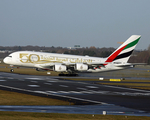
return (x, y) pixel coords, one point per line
(43, 61)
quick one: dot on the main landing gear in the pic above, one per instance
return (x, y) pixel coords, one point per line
(73, 74)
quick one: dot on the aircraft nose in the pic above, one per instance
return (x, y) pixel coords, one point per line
(5, 60)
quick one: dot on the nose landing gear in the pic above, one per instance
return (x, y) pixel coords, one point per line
(12, 70)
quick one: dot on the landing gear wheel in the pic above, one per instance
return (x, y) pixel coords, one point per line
(11, 70)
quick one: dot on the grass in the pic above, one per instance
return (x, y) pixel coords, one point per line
(56, 116)
(28, 71)
(14, 98)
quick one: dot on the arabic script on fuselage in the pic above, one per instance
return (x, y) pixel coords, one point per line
(42, 59)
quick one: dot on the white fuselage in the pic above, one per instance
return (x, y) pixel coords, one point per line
(46, 60)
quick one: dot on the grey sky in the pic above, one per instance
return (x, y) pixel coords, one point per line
(100, 23)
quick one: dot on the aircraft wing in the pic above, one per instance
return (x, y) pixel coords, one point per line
(129, 64)
(96, 64)
(47, 65)
(139, 63)
(50, 65)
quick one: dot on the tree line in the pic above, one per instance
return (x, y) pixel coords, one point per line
(142, 56)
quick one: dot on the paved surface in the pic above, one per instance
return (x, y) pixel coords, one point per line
(78, 109)
(132, 100)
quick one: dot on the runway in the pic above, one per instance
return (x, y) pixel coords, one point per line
(80, 92)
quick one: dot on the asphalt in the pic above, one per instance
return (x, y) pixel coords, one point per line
(119, 99)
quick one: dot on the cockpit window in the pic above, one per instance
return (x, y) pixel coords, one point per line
(10, 56)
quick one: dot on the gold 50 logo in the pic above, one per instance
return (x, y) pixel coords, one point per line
(26, 58)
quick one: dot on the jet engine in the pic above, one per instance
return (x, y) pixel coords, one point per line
(60, 68)
(81, 67)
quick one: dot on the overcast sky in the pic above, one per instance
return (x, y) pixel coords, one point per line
(65, 23)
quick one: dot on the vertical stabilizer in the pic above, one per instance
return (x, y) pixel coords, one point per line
(123, 53)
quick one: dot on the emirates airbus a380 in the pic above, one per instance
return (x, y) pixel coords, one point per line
(72, 63)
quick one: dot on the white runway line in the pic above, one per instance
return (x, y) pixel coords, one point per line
(75, 92)
(63, 92)
(63, 86)
(2, 80)
(48, 83)
(99, 92)
(91, 86)
(40, 92)
(86, 92)
(34, 78)
(52, 91)
(33, 85)
(52, 81)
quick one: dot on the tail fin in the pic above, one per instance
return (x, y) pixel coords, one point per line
(123, 53)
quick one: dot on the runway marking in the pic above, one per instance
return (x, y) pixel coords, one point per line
(35, 78)
(52, 91)
(40, 92)
(2, 80)
(91, 86)
(86, 92)
(75, 92)
(63, 86)
(132, 94)
(54, 95)
(52, 81)
(63, 92)
(33, 85)
(78, 92)
(100, 92)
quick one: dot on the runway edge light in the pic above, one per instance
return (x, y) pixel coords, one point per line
(104, 112)
(101, 78)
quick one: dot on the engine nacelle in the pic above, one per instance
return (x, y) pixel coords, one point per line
(81, 67)
(60, 68)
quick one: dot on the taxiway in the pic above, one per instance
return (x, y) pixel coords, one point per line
(78, 92)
